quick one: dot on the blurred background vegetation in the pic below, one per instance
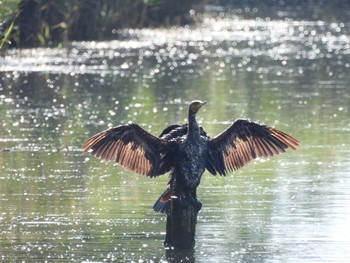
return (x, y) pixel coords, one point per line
(35, 23)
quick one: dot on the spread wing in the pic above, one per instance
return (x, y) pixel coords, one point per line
(168, 132)
(131, 147)
(175, 131)
(244, 141)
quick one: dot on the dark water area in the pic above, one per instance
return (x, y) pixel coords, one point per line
(58, 204)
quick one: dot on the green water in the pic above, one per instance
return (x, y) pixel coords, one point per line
(60, 205)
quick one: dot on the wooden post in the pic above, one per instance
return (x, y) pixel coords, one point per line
(181, 223)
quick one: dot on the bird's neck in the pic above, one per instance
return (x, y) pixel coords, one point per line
(193, 128)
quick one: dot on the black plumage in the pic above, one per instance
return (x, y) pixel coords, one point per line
(186, 151)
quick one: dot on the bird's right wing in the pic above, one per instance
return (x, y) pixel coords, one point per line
(244, 141)
(129, 146)
(175, 131)
(169, 131)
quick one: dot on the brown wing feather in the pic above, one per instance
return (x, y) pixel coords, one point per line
(130, 146)
(244, 141)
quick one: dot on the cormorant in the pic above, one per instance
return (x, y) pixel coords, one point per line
(186, 151)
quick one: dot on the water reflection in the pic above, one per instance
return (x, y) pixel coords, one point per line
(57, 204)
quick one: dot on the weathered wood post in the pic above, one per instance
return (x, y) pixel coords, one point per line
(181, 223)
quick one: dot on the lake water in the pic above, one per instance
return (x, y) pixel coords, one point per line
(60, 205)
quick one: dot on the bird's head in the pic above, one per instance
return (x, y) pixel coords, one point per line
(196, 105)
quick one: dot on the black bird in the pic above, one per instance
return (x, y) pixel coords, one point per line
(186, 151)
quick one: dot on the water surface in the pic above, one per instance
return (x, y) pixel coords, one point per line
(58, 204)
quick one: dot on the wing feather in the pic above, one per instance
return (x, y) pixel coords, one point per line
(244, 141)
(130, 146)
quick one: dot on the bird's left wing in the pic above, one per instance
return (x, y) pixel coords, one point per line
(130, 146)
(244, 141)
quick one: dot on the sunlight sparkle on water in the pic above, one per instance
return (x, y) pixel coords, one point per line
(57, 203)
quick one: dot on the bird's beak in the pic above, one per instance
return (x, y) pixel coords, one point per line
(202, 104)
(196, 105)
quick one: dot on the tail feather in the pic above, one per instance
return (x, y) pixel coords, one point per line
(163, 204)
